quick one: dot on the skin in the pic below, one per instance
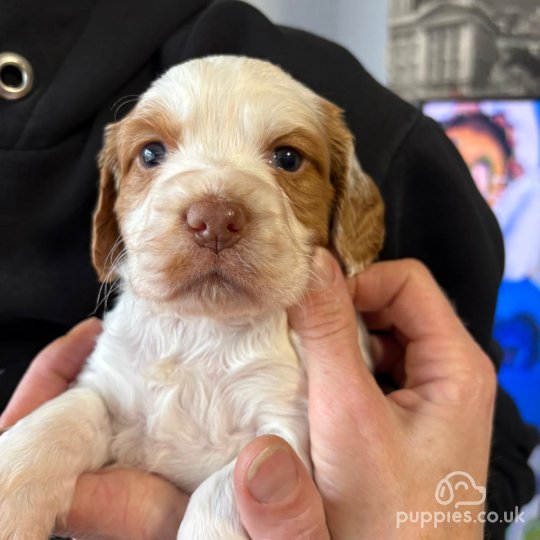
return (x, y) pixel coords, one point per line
(374, 454)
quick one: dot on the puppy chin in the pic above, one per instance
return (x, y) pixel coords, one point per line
(220, 301)
(219, 296)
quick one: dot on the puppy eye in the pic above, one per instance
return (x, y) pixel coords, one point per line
(153, 154)
(287, 158)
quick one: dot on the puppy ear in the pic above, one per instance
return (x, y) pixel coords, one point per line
(106, 240)
(357, 226)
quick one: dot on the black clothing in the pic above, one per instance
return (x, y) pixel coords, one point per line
(90, 53)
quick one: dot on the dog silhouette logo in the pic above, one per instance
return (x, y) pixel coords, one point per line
(449, 488)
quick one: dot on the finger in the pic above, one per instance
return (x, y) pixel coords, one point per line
(275, 494)
(327, 327)
(118, 504)
(441, 358)
(52, 371)
(404, 295)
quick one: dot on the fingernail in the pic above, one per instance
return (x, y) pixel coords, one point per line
(323, 269)
(273, 475)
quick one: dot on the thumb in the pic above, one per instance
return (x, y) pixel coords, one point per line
(327, 312)
(327, 329)
(275, 495)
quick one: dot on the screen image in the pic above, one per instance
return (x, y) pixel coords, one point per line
(500, 142)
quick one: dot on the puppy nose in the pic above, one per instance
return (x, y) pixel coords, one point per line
(216, 224)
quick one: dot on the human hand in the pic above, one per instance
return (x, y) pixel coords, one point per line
(111, 503)
(375, 456)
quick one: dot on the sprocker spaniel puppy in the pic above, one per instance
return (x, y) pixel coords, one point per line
(214, 191)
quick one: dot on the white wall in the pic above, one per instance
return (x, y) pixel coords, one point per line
(359, 25)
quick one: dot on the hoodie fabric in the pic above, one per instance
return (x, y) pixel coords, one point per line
(92, 57)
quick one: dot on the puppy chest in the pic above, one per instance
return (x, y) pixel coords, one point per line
(190, 422)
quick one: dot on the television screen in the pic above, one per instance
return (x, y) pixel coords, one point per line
(499, 140)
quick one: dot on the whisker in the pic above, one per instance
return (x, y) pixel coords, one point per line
(122, 102)
(108, 285)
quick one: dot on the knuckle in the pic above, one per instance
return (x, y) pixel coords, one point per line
(306, 522)
(417, 273)
(324, 331)
(329, 320)
(479, 381)
(317, 531)
(414, 267)
(488, 375)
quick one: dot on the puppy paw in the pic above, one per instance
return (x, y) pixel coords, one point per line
(30, 500)
(24, 516)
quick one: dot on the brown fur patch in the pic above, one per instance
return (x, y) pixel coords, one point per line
(106, 242)
(119, 163)
(358, 222)
(152, 124)
(309, 188)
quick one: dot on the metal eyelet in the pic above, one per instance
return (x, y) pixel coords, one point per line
(16, 76)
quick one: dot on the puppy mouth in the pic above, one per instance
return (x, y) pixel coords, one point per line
(214, 278)
(216, 283)
(234, 283)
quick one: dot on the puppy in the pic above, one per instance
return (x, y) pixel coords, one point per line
(214, 192)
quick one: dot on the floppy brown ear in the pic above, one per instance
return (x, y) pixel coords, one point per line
(357, 227)
(106, 240)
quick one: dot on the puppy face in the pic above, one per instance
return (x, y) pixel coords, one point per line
(215, 189)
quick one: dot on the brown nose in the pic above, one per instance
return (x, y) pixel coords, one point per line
(216, 224)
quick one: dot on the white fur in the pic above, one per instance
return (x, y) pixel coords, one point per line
(176, 396)
(170, 387)
(204, 387)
